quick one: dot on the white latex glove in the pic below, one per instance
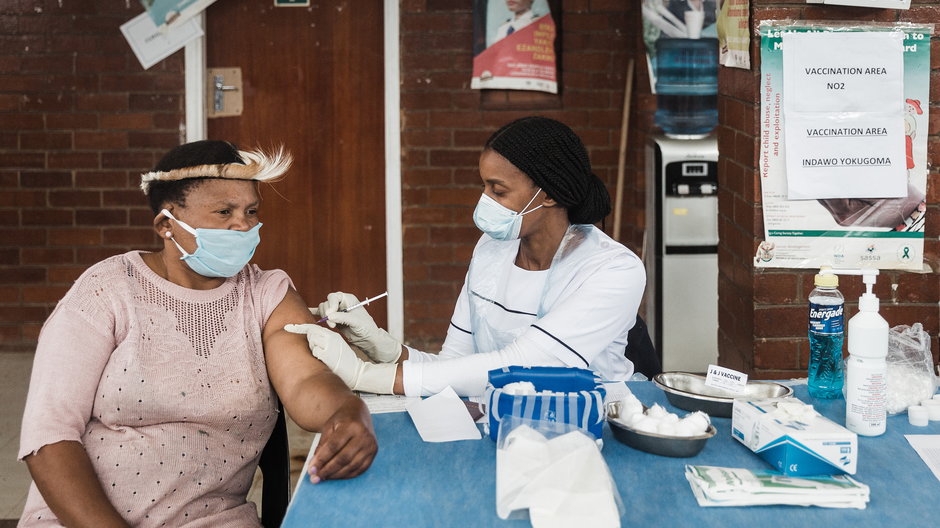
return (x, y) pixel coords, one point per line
(330, 348)
(358, 327)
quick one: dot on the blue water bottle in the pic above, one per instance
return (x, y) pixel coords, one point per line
(826, 330)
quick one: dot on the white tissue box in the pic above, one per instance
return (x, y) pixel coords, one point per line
(800, 446)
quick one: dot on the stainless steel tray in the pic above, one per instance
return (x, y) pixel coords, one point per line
(688, 391)
(657, 444)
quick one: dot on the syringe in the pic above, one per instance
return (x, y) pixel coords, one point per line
(363, 303)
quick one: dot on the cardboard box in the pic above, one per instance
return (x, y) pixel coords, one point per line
(800, 446)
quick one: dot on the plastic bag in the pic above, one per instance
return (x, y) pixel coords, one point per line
(554, 474)
(910, 368)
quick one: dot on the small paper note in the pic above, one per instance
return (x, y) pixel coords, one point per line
(725, 378)
(443, 418)
(151, 45)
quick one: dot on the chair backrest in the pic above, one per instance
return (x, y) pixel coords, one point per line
(275, 470)
(640, 350)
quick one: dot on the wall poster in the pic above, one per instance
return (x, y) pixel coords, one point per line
(734, 33)
(514, 45)
(884, 231)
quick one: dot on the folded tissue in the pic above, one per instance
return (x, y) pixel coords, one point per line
(559, 478)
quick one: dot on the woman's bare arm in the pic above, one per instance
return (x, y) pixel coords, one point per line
(315, 398)
(68, 483)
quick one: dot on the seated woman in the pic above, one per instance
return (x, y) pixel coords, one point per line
(545, 287)
(156, 379)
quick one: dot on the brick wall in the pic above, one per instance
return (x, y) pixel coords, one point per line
(445, 124)
(79, 121)
(762, 313)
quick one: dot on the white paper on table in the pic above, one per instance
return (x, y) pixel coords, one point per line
(928, 447)
(151, 45)
(386, 403)
(443, 418)
(843, 109)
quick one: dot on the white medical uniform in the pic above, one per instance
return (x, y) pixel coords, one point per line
(516, 23)
(577, 313)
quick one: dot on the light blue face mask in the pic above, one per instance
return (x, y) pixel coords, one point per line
(499, 221)
(219, 252)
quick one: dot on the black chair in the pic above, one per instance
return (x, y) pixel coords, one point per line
(275, 471)
(640, 350)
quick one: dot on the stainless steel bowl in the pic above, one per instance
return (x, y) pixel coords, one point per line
(657, 444)
(688, 391)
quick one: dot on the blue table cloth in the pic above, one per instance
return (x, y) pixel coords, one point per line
(412, 483)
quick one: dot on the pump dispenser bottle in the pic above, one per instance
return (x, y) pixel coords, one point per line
(865, 380)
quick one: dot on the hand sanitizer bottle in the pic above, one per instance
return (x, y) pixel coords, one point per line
(865, 380)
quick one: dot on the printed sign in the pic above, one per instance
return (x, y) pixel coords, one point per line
(844, 115)
(884, 230)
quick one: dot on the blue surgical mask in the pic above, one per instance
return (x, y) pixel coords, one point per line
(499, 221)
(219, 252)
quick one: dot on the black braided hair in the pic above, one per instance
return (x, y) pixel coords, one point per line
(206, 152)
(553, 156)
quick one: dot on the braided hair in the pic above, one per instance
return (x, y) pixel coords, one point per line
(553, 156)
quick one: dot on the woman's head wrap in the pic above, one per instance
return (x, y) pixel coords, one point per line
(553, 156)
(217, 159)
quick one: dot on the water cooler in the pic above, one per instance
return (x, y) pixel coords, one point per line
(682, 266)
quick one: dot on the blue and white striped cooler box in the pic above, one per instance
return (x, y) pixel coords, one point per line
(566, 394)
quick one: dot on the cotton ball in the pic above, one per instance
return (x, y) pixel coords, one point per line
(905, 387)
(670, 418)
(686, 428)
(519, 388)
(656, 411)
(666, 428)
(630, 399)
(630, 405)
(635, 417)
(696, 422)
(646, 425)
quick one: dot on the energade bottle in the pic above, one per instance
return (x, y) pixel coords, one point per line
(826, 330)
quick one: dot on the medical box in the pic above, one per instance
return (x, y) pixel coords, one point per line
(810, 444)
(564, 394)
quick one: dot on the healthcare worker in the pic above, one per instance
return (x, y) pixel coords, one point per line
(545, 287)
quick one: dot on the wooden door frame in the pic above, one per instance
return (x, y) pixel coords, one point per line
(195, 88)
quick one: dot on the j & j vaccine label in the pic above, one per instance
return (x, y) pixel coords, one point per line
(725, 378)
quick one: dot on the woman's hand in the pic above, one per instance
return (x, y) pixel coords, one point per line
(347, 444)
(358, 327)
(330, 348)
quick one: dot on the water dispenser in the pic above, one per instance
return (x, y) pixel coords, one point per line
(682, 275)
